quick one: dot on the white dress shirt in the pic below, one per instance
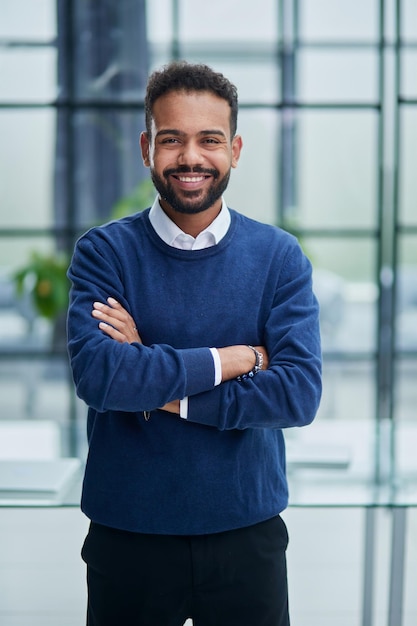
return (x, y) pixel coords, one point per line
(169, 232)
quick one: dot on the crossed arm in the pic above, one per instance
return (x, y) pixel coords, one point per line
(118, 324)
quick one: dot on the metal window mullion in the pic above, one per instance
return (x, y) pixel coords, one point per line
(286, 192)
(175, 41)
(68, 17)
(388, 129)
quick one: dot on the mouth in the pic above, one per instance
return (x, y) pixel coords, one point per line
(190, 181)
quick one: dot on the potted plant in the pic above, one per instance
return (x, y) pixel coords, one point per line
(44, 276)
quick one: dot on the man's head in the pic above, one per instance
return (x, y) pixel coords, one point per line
(183, 76)
(190, 143)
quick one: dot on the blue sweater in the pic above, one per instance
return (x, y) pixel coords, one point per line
(223, 467)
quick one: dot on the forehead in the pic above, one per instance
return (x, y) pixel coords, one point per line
(191, 111)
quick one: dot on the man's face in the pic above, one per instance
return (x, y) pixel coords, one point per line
(190, 152)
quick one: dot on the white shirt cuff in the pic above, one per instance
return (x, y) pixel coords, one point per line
(217, 366)
(184, 408)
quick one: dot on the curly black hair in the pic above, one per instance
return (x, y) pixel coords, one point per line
(184, 76)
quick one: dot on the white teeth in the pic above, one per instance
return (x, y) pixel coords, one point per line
(191, 179)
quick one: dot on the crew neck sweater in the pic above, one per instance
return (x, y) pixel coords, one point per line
(224, 467)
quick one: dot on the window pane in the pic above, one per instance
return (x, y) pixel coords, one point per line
(20, 326)
(26, 163)
(35, 389)
(334, 20)
(31, 294)
(327, 76)
(16, 251)
(406, 301)
(409, 20)
(108, 163)
(202, 21)
(344, 283)
(343, 384)
(25, 19)
(354, 259)
(159, 21)
(28, 75)
(406, 395)
(408, 160)
(409, 74)
(252, 188)
(337, 163)
(111, 50)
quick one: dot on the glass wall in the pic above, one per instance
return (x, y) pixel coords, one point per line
(328, 96)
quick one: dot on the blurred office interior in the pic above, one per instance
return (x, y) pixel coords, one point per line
(328, 115)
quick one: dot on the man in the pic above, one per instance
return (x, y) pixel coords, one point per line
(193, 337)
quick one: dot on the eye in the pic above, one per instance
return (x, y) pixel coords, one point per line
(211, 140)
(170, 140)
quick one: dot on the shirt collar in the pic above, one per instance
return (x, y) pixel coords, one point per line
(175, 237)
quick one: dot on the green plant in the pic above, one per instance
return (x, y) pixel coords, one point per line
(141, 197)
(45, 279)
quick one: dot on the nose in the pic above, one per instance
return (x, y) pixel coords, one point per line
(190, 154)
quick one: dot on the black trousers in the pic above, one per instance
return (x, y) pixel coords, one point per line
(233, 578)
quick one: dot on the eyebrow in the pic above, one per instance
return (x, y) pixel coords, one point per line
(179, 133)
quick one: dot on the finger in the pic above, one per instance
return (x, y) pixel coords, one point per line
(113, 332)
(119, 317)
(116, 313)
(115, 304)
(107, 316)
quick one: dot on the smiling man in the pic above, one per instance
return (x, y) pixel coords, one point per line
(194, 340)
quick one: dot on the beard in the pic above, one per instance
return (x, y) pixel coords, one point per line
(191, 202)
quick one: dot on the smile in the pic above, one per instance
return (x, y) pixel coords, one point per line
(190, 179)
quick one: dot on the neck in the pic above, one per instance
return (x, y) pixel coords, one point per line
(192, 224)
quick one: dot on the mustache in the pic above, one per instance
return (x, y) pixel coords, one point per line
(185, 169)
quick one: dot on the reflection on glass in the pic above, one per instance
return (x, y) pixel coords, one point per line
(111, 50)
(108, 162)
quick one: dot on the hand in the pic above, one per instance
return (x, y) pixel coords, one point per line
(116, 322)
(172, 407)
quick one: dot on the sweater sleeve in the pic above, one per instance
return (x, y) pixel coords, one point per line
(287, 393)
(119, 376)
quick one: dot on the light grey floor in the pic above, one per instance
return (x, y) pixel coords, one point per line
(42, 576)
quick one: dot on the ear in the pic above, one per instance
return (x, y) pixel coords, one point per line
(237, 144)
(145, 146)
